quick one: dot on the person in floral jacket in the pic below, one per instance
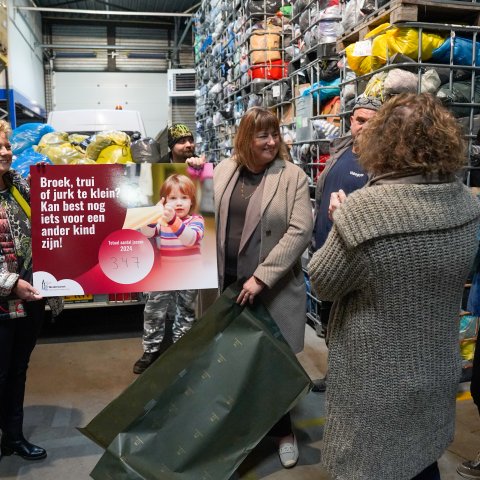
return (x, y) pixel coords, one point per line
(21, 307)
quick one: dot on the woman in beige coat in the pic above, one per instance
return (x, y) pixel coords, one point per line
(264, 224)
(395, 264)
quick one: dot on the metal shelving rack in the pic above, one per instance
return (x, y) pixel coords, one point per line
(225, 87)
(309, 54)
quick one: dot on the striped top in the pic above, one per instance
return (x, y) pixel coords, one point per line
(181, 237)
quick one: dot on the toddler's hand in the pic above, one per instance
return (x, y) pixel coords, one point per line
(168, 212)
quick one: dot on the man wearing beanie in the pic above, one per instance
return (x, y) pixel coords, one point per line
(180, 143)
(342, 175)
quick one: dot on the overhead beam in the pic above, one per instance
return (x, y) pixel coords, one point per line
(102, 47)
(108, 5)
(194, 7)
(61, 4)
(151, 23)
(184, 34)
(105, 12)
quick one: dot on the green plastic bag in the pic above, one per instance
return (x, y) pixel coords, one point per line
(200, 409)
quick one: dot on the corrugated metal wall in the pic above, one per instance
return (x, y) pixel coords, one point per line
(183, 111)
(71, 60)
(142, 60)
(155, 58)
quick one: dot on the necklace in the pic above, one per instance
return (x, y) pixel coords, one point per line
(242, 190)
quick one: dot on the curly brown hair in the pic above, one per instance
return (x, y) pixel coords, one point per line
(255, 120)
(411, 133)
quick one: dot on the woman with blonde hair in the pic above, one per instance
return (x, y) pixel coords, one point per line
(21, 306)
(394, 265)
(264, 224)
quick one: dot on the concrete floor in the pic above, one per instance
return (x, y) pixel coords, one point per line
(70, 382)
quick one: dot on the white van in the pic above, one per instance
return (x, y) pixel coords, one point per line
(89, 122)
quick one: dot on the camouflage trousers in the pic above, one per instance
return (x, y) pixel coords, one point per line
(181, 302)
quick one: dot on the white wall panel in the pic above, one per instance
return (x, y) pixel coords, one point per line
(145, 92)
(24, 60)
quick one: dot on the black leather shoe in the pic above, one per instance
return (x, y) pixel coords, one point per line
(21, 447)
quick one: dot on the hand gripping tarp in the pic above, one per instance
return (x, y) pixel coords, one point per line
(200, 409)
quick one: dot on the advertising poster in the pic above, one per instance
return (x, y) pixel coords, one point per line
(122, 228)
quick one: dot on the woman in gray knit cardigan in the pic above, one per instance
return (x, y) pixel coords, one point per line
(395, 264)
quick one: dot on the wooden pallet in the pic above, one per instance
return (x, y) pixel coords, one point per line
(431, 11)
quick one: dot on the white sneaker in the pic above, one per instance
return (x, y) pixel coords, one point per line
(288, 451)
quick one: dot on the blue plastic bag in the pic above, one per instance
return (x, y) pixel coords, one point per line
(27, 158)
(28, 135)
(462, 51)
(206, 43)
(326, 89)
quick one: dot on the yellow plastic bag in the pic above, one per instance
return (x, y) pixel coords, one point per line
(362, 64)
(53, 138)
(467, 349)
(61, 154)
(366, 64)
(375, 86)
(386, 42)
(115, 154)
(405, 41)
(105, 139)
(82, 161)
(77, 138)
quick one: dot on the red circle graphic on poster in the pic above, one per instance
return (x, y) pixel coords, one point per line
(126, 256)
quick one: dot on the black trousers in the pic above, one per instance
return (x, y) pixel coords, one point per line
(17, 340)
(475, 385)
(282, 428)
(325, 310)
(430, 473)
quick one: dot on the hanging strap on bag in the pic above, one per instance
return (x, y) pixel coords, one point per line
(21, 201)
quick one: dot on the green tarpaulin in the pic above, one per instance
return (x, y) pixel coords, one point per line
(198, 411)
